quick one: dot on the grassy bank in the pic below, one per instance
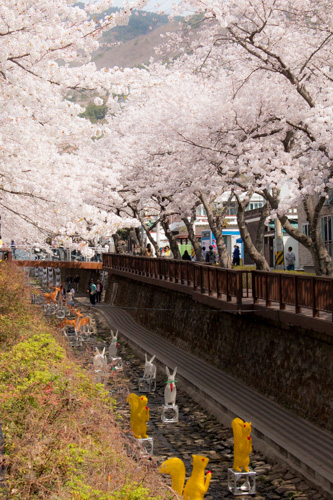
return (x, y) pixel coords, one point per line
(61, 432)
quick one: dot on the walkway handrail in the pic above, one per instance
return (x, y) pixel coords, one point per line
(312, 292)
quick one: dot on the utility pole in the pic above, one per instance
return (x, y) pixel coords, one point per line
(279, 248)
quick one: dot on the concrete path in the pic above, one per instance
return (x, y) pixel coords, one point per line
(310, 449)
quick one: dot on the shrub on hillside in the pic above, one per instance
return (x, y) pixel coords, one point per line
(62, 440)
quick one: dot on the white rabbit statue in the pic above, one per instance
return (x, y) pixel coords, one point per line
(150, 368)
(114, 345)
(100, 362)
(170, 391)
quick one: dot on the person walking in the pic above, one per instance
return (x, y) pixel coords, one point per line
(236, 256)
(76, 282)
(148, 251)
(290, 259)
(92, 292)
(204, 251)
(211, 256)
(99, 290)
(13, 249)
(167, 252)
(69, 282)
(186, 256)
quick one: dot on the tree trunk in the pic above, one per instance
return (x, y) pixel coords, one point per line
(138, 233)
(149, 236)
(254, 253)
(119, 248)
(172, 240)
(133, 237)
(151, 239)
(215, 224)
(196, 245)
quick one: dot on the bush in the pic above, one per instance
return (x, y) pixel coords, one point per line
(62, 440)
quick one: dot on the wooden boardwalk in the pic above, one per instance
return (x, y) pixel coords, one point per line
(308, 448)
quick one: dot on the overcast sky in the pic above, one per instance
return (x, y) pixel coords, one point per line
(154, 5)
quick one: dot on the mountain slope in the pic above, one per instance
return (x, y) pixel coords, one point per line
(133, 52)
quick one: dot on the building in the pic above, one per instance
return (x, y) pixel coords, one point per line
(325, 223)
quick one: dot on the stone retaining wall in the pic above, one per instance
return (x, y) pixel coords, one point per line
(293, 367)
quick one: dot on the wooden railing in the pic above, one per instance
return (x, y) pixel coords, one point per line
(311, 292)
(315, 293)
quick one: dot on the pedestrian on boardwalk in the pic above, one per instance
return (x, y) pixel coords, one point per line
(99, 290)
(167, 252)
(76, 282)
(204, 251)
(236, 256)
(148, 251)
(211, 256)
(92, 292)
(13, 249)
(290, 259)
(186, 256)
(69, 282)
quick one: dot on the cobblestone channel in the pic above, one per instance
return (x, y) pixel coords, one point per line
(197, 432)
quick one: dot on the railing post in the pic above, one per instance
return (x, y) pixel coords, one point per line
(298, 309)
(332, 297)
(315, 312)
(195, 286)
(218, 292)
(168, 269)
(268, 302)
(254, 291)
(282, 304)
(202, 289)
(227, 283)
(239, 287)
(210, 291)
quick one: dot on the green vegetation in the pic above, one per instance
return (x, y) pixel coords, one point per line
(94, 113)
(62, 440)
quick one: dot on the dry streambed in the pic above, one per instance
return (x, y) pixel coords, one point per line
(197, 432)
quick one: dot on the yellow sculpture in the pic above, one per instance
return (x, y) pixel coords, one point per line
(242, 444)
(139, 415)
(197, 485)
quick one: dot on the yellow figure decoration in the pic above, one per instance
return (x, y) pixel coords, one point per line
(242, 444)
(197, 485)
(139, 415)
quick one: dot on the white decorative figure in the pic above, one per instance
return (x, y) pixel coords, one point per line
(147, 383)
(150, 368)
(100, 362)
(116, 361)
(170, 393)
(114, 345)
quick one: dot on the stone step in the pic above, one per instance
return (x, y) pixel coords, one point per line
(309, 448)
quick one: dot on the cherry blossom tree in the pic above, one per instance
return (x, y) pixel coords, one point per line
(45, 146)
(277, 55)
